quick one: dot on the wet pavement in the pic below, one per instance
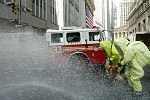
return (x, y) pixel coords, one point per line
(26, 74)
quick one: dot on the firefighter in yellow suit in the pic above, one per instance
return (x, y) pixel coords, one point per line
(136, 55)
(111, 52)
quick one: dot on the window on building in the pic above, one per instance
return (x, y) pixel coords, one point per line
(45, 10)
(135, 30)
(39, 8)
(54, 15)
(73, 37)
(146, 3)
(119, 34)
(33, 7)
(144, 25)
(148, 18)
(65, 13)
(7, 1)
(139, 27)
(71, 14)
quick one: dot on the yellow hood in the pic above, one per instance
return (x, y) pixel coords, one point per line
(122, 43)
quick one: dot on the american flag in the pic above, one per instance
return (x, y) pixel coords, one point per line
(89, 17)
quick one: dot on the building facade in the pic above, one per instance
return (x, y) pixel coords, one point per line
(139, 17)
(102, 16)
(113, 15)
(71, 12)
(107, 15)
(75, 13)
(120, 32)
(98, 14)
(124, 10)
(125, 6)
(38, 14)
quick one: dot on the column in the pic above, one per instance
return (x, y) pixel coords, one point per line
(122, 35)
(118, 34)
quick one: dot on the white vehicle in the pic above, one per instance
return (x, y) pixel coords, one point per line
(76, 45)
(140, 36)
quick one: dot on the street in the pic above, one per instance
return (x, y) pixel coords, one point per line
(25, 74)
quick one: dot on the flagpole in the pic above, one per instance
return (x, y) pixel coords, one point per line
(19, 12)
(19, 15)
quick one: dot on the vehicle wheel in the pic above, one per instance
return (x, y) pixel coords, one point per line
(78, 62)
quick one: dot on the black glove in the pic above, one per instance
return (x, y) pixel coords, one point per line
(110, 62)
(123, 70)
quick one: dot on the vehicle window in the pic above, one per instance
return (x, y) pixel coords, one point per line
(145, 38)
(73, 37)
(94, 36)
(57, 38)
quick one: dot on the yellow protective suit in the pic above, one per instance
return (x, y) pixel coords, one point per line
(111, 52)
(136, 55)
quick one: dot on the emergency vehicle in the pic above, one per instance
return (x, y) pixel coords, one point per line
(140, 36)
(77, 46)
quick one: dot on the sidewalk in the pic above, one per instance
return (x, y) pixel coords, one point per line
(7, 26)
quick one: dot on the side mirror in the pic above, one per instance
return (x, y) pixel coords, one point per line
(86, 46)
(99, 40)
(86, 41)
